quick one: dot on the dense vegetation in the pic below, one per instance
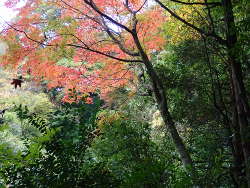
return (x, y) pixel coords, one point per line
(140, 93)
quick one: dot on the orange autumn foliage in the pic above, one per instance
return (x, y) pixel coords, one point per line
(47, 31)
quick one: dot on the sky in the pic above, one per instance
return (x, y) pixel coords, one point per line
(5, 15)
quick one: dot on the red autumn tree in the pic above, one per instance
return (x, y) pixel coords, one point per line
(109, 39)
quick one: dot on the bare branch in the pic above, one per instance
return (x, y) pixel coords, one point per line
(85, 47)
(80, 12)
(120, 43)
(93, 6)
(210, 16)
(141, 6)
(212, 34)
(198, 3)
(105, 54)
(27, 36)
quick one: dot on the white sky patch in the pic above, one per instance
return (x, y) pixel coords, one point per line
(7, 14)
(3, 48)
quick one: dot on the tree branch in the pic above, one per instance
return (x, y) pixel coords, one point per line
(93, 6)
(141, 6)
(218, 38)
(118, 42)
(104, 54)
(197, 3)
(75, 45)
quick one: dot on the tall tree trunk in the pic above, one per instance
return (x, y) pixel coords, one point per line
(242, 109)
(237, 150)
(160, 95)
(241, 102)
(238, 156)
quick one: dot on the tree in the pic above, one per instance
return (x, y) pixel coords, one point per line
(118, 34)
(231, 45)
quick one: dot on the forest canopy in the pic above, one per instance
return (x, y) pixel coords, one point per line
(132, 93)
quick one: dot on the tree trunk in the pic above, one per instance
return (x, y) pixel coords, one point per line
(241, 102)
(160, 95)
(237, 150)
(242, 109)
(238, 156)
